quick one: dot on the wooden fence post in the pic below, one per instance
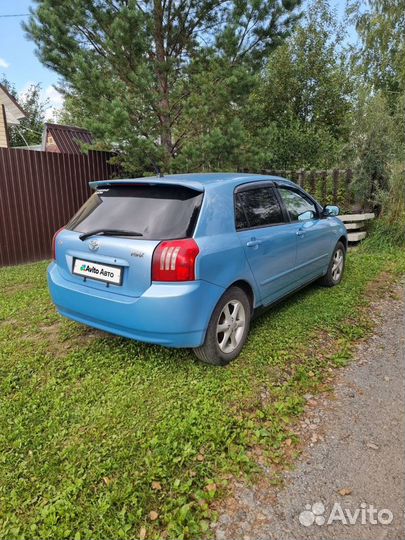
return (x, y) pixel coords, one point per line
(324, 191)
(348, 194)
(312, 181)
(335, 176)
(301, 178)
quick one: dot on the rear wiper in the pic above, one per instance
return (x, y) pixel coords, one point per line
(109, 232)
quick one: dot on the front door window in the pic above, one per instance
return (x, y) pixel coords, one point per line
(299, 208)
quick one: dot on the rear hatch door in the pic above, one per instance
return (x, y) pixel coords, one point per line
(154, 212)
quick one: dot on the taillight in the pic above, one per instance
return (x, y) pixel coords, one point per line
(174, 260)
(54, 243)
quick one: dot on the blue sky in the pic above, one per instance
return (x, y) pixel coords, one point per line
(17, 54)
(18, 61)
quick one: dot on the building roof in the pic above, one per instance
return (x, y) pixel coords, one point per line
(14, 112)
(67, 138)
(198, 181)
(36, 147)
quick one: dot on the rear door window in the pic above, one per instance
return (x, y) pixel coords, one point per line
(257, 208)
(157, 212)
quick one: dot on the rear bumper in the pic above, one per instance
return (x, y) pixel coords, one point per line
(171, 314)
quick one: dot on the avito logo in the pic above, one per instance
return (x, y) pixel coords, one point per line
(366, 514)
(88, 268)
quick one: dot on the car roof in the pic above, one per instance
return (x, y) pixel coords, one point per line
(198, 181)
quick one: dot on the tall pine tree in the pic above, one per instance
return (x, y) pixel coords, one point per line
(131, 68)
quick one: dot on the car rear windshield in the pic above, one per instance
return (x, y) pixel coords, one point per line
(157, 212)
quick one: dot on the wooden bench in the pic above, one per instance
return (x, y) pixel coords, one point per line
(355, 224)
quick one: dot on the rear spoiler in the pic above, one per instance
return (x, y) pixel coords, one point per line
(152, 181)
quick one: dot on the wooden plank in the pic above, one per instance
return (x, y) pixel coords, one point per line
(356, 236)
(356, 225)
(357, 217)
(4, 140)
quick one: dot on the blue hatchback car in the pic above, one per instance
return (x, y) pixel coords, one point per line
(186, 260)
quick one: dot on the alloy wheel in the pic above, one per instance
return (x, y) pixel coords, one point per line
(231, 326)
(337, 264)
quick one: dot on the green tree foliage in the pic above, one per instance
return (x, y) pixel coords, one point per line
(213, 116)
(371, 148)
(137, 68)
(224, 84)
(29, 130)
(299, 111)
(375, 152)
(381, 27)
(379, 123)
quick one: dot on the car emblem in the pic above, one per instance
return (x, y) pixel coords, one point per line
(137, 253)
(94, 245)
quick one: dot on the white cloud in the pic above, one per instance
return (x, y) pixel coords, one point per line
(3, 63)
(22, 93)
(54, 96)
(55, 102)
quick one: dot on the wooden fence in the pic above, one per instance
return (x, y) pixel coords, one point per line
(39, 192)
(327, 186)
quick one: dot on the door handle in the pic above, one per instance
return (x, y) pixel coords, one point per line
(253, 242)
(300, 233)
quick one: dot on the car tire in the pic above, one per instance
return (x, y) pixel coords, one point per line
(227, 332)
(336, 267)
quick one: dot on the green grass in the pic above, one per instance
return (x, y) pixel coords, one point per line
(88, 421)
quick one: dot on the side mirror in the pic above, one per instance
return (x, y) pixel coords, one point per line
(330, 211)
(306, 215)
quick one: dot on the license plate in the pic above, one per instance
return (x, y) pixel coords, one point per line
(101, 272)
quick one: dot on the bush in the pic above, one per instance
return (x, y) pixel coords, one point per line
(391, 225)
(372, 150)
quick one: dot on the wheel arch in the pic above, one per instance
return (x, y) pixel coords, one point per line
(246, 288)
(344, 241)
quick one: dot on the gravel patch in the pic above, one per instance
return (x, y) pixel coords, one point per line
(354, 459)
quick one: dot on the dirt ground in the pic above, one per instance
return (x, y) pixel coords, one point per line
(349, 480)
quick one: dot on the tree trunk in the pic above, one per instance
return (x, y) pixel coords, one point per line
(163, 84)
